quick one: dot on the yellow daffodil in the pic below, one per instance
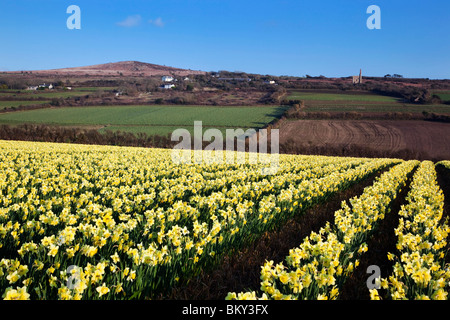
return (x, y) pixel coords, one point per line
(16, 294)
(102, 290)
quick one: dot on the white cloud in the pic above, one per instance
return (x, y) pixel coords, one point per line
(157, 22)
(130, 21)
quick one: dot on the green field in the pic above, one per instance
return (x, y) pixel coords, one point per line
(409, 108)
(49, 94)
(358, 102)
(13, 103)
(444, 95)
(148, 119)
(324, 96)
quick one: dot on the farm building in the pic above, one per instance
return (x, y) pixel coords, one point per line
(41, 87)
(357, 79)
(45, 86)
(167, 78)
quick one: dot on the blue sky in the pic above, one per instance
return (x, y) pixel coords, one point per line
(291, 37)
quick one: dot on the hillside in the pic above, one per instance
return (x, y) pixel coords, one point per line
(125, 68)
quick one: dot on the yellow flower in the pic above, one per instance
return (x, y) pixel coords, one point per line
(64, 293)
(102, 290)
(38, 265)
(284, 277)
(374, 294)
(350, 267)
(334, 293)
(322, 280)
(132, 275)
(53, 281)
(27, 282)
(53, 250)
(13, 277)
(51, 270)
(119, 288)
(89, 251)
(384, 283)
(16, 294)
(307, 280)
(115, 257)
(231, 296)
(440, 294)
(189, 245)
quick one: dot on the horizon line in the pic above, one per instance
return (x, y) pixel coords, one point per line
(2, 70)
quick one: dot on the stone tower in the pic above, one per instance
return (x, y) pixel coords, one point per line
(357, 79)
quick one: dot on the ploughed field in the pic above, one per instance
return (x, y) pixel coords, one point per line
(428, 138)
(104, 222)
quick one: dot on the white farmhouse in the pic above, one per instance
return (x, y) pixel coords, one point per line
(167, 78)
(50, 86)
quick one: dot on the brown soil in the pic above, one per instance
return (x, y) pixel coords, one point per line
(428, 138)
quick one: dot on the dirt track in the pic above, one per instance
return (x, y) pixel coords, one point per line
(432, 138)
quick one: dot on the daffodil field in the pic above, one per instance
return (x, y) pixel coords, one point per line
(419, 271)
(104, 222)
(318, 268)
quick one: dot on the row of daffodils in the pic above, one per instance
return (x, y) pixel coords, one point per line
(318, 268)
(103, 222)
(419, 270)
(445, 163)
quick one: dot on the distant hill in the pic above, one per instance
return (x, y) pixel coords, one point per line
(125, 68)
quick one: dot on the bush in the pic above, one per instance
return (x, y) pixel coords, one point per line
(45, 133)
